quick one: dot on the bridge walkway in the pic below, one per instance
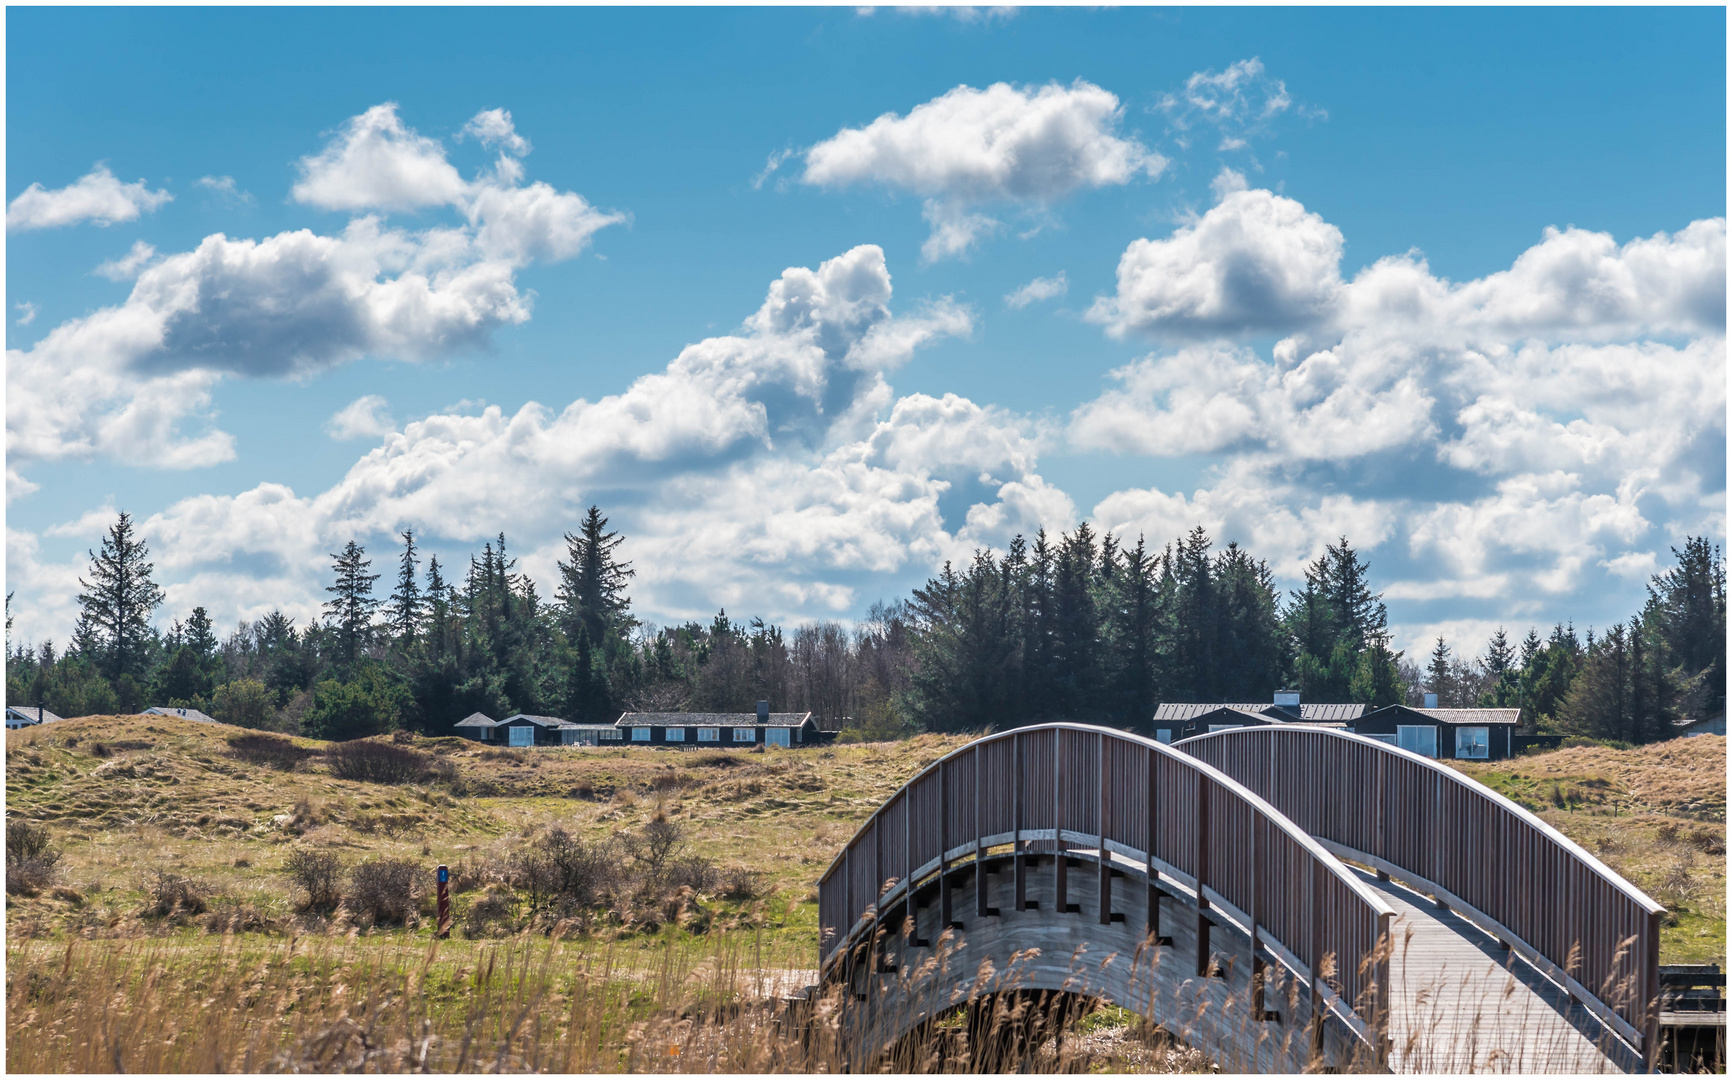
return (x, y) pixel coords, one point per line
(1461, 1003)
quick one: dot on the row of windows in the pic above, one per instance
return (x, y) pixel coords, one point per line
(778, 736)
(1470, 742)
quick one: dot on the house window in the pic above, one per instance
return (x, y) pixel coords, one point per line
(1221, 727)
(1164, 735)
(640, 734)
(745, 734)
(612, 733)
(521, 736)
(1420, 738)
(776, 736)
(1390, 739)
(675, 734)
(1472, 742)
(709, 734)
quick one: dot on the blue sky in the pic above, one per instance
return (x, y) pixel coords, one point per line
(1308, 288)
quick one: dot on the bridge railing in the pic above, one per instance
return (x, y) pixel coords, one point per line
(1477, 851)
(1063, 786)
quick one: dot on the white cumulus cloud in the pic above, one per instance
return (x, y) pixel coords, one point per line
(96, 196)
(367, 417)
(1025, 146)
(1041, 288)
(127, 266)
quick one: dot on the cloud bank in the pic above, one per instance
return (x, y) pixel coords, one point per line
(298, 302)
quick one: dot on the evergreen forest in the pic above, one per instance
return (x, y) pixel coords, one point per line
(1073, 626)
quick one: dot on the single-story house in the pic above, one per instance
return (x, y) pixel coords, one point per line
(476, 726)
(721, 729)
(184, 714)
(18, 716)
(1175, 720)
(1468, 734)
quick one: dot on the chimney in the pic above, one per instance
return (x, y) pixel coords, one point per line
(1431, 701)
(763, 712)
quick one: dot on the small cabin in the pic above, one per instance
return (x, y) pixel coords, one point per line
(723, 730)
(1175, 720)
(477, 726)
(184, 714)
(1460, 734)
(22, 716)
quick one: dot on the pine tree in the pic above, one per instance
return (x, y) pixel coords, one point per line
(115, 608)
(592, 586)
(403, 615)
(1131, 632)
(1501, 671)
(352, 606)
(1687, 608)
(200, 637)
(1438, 679)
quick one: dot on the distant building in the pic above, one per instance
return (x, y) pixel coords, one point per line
(184, 714)
(762, 728)
(1175, 720)
(523, 729)
(476, 726)
(1464, 734)
(19, 716)
(1713, 725)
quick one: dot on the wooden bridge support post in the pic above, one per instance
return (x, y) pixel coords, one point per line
(944, 920)
(1106, 890)
(1061, 890)
(1019, 860)
(1204, 950)
(981, 910)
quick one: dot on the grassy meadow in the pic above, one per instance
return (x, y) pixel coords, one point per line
(169, 936)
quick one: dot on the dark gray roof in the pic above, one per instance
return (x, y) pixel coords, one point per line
(709, 719)
(1466, 716)
(1170, 712)
(476, 719)
(30, 714)
(184, 714)
(541, 721)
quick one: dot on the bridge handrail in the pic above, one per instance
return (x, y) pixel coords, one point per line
(1566, 911)
(1183, 819)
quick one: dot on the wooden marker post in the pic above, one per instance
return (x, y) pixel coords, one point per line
(443, 874)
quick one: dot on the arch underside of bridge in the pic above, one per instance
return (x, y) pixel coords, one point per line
(1187, 967)
(1208, 889)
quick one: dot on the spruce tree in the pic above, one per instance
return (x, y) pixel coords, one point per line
(1438, 679)
(115, 608)
(200, 636)
(403, 615)
(592, 586)
(352, 605)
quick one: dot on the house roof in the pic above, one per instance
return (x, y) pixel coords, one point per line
(710, 719)
(1171, 712)
(1461, 716)
(30, 714)
(539, 721)
(184, 714)
(476, 719)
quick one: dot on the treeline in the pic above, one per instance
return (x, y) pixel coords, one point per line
(1072, 627)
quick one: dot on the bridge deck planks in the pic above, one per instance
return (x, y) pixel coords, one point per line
(1460, 1003)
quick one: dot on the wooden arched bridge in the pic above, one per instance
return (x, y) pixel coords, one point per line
(1281, 898)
